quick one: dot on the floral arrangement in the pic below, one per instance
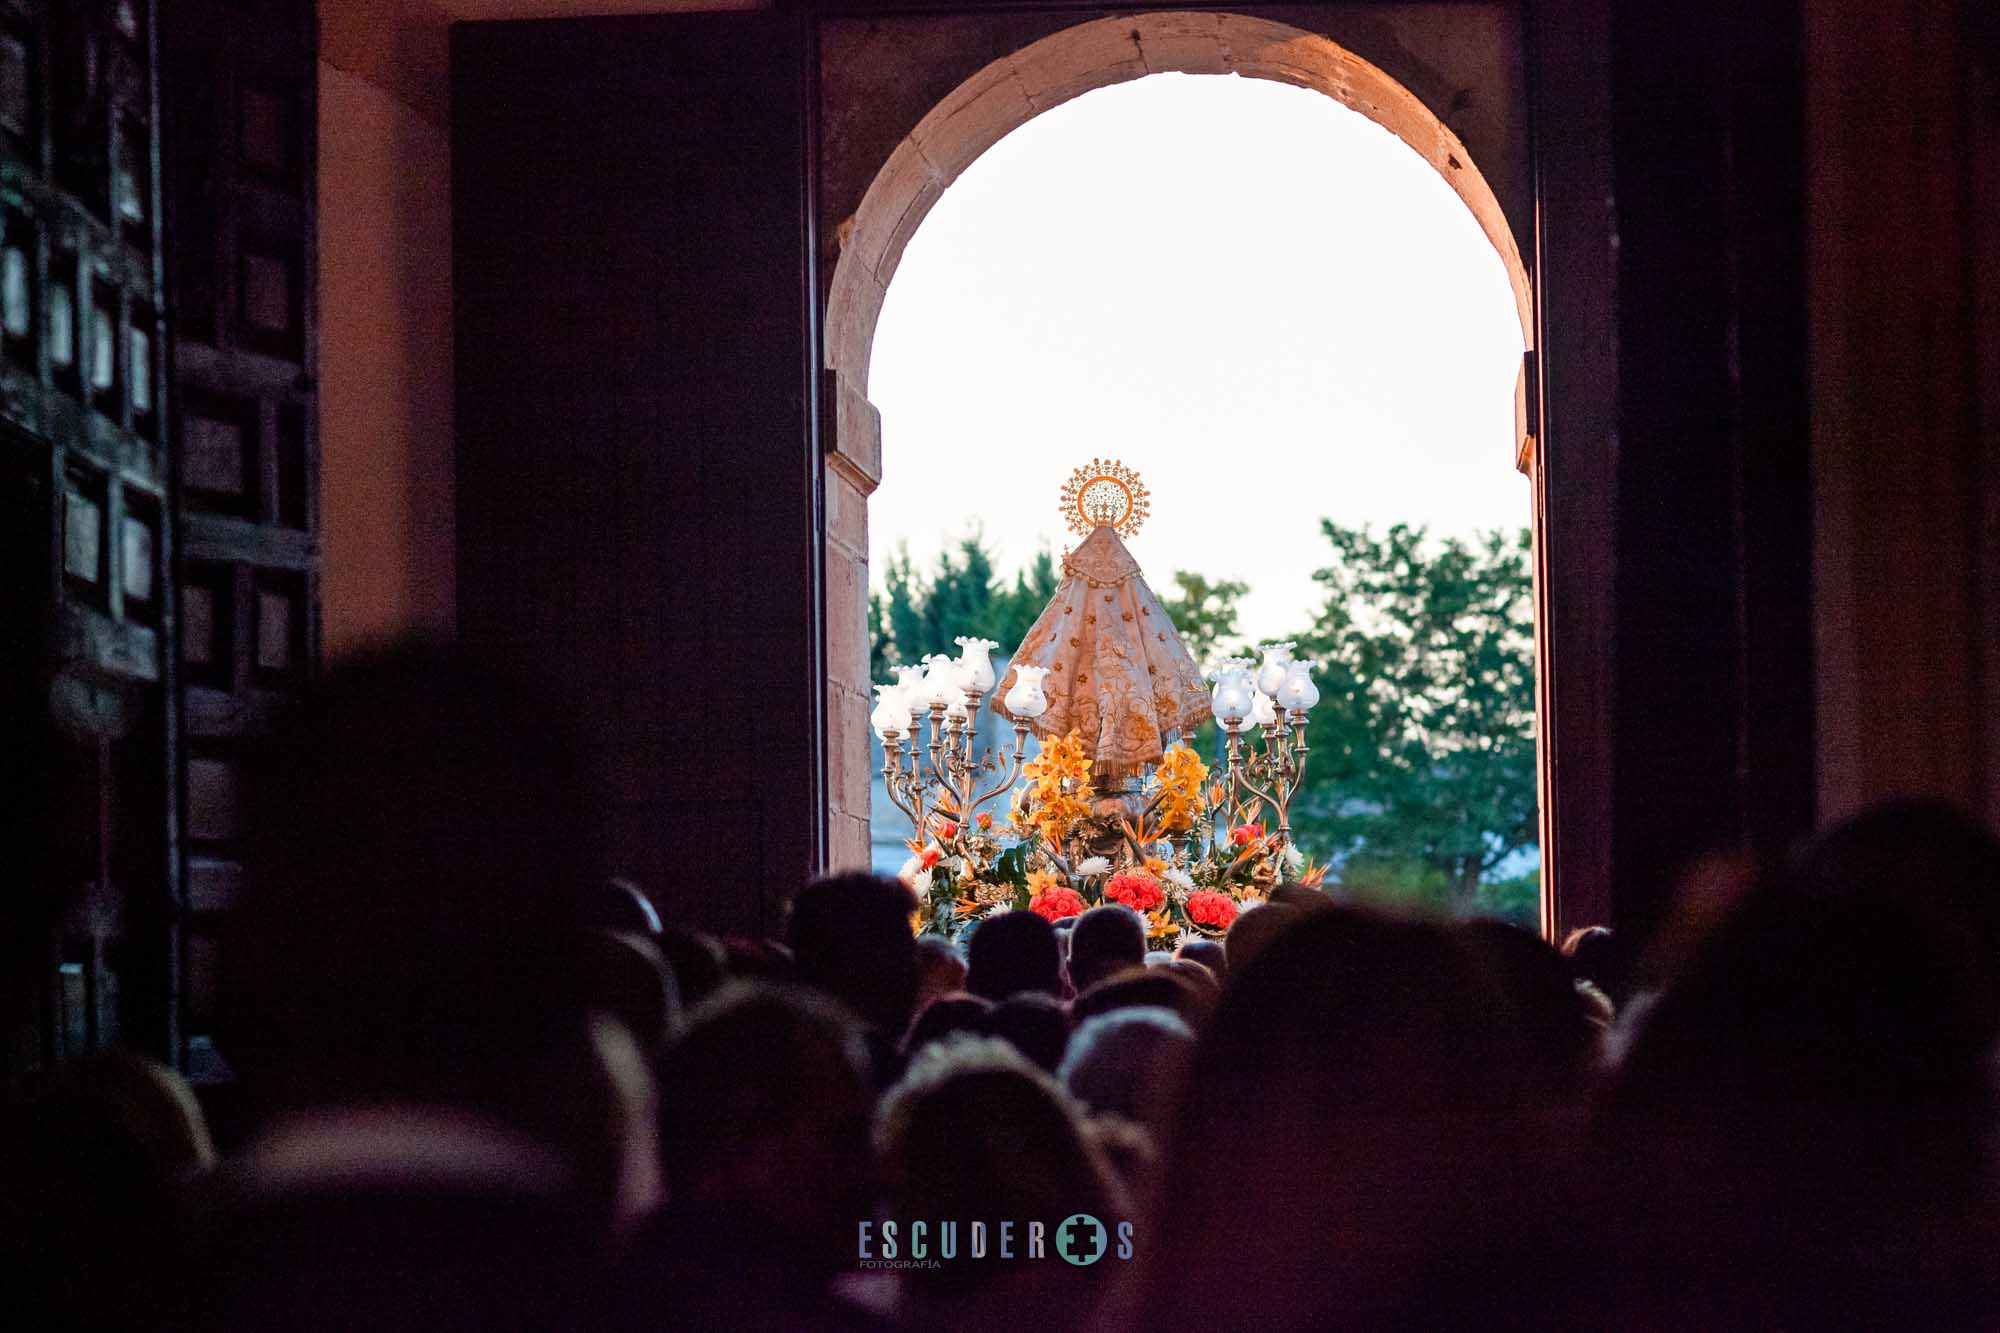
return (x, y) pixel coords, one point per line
(1190, 863)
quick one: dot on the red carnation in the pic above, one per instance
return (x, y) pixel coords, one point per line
(985, 820)
(927, 859)
(1245, 834)
(1056, 903)
(948, 829)
(1141, 893)
(1208, 908)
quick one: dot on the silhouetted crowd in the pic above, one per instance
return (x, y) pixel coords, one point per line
(485, 1087)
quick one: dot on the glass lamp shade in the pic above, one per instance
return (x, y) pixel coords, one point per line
(891, 712)
(1026, 700)
(1298, 694)
(957, 710)
(975, 665)
(910, 685)
(1263, 712)
(1271, 674)
(940, 682)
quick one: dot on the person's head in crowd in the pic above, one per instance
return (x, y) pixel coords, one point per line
(1860, 985)
(1563, 1030)
(976, 1131)
(940, 970)
(697, 963)
(1012, 952)
(1209, 953)
(1130, 1062)
(90, 1211)
(1034, 1024)
(419, 838)
(850, 936)
(747, 959)
(1198, 976)
(1405, 1120)
(1301, 896)
(619, 904)
(944, 1016)
(1158, 986)
(1254, 929)
(1105, 940)
(1595, 955)
(630, 981)
(764, 1122)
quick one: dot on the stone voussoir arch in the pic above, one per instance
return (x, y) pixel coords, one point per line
(972, 118)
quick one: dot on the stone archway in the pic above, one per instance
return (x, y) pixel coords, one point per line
(972, 118)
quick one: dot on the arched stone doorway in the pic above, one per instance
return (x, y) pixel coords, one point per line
(983, 109)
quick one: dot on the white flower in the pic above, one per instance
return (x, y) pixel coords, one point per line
(1095, 865)
(910, 868)
(1248, 904)
(920, 883)
(1179, 878)
(1294, 858)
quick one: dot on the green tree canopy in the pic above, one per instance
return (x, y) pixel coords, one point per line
(917, 613)
(1422, 773)
(1204, 612)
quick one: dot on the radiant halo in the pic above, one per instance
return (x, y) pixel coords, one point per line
(1104, 494)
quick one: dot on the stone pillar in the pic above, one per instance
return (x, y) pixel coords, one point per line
(853, 471)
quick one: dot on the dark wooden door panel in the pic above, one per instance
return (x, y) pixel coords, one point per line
(638, 509)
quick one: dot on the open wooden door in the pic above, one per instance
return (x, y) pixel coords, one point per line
(638, 467)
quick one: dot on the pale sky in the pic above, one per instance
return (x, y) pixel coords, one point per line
(1267, 304)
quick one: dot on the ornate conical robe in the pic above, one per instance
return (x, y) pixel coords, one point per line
(1118, 672)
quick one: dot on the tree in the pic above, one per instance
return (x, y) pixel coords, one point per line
(1204, 612)
(1422, 775)
(915, 615)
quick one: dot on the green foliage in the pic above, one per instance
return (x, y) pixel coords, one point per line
(917, 613)
(1423, 753)
(1204, 612)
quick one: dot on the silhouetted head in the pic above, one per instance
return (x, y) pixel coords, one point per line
(1209, 953)
(1130, 1062)
(1034, 1024)
(418, 856)
(1106, 939)
(1561, 1026)
(765, 1100)
(850, 936)
(619, 904)
(1014, 951)
(1595, 955)
(1254, 929)
(944, 1016)
(940, 969)
(1402, 1114)
(1158, 986)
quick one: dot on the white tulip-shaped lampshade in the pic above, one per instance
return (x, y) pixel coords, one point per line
(1026, 700)
(1298, 693)
(940, 682)
(975, 666)
(891, 712)
(957, 712)
(1271, 675)
(1233, 697)
(910, 685)
(1262, 711)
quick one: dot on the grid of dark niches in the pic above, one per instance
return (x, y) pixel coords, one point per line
(245, 457)
(242, 627)
(110, 544)
(102, 346)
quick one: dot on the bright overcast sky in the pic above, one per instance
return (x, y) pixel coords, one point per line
(1267, 304)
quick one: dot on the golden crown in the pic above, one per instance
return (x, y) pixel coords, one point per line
(1104, 494)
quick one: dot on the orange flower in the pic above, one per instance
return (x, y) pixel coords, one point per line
(1208, 908)
(1245, 834)
(1141, 893)
(948, 829)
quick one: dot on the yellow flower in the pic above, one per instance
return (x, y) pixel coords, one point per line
(1179, 779)
(1059, 791)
